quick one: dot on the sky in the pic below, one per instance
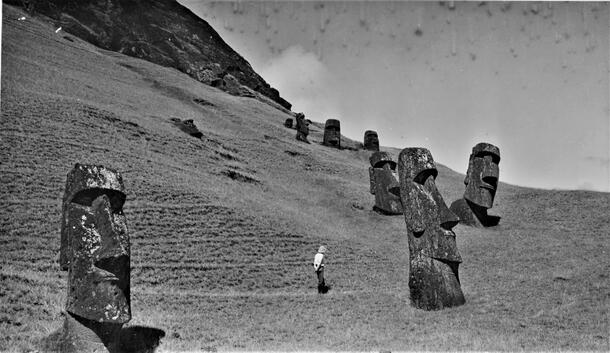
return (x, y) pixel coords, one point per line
(529, 77)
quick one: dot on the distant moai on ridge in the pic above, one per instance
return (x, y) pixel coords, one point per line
(481, 185)
(382, 175)
(288, 123)
(433, 255)
(302, 127)
(371, 140)
(332, 133)
(95, 249)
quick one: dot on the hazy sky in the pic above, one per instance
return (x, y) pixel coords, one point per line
(531, 78)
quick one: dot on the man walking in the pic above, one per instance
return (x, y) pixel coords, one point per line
(318, 266)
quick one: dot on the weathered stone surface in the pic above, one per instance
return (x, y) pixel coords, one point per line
(433, 255)
(302, 127)
(232, 86)
(371, 140)
(80, 335)
(288, 123)
(332, 133)
(99, 274)
(84, 183)
(96, 251)
(481, 185)
(187, 126)
(383, 178)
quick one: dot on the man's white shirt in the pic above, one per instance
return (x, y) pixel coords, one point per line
(317, 261)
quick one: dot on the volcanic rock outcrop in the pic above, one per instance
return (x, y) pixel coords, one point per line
(161, 31)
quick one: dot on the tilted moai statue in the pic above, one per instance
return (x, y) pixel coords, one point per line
(382, 174)
(302, 127)
(433, 255)
(187, 126)
(481, 185)
(332, 133)
(371, 140)
(95, 250)
(288, 123)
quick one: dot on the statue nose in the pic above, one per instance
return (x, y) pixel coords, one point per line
(394, 190)
(491, 180)
(491, 170)
(447, 218)
(394, 187)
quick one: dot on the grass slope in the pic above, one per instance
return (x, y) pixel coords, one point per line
(224, 229)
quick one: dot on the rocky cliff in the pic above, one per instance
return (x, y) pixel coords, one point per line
(161, 31)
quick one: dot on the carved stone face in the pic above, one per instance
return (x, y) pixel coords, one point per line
(482, 175)
(433, 254)
(95, 245)
(332, 133)
(428, 218)
(371, 141)
(302, 127)
(383, 178)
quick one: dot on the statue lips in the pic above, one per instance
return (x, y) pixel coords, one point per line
(101, 275)
(488, 186)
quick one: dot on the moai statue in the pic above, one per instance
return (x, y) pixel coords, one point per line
(288, 123)
(332, 133)
(382, 173)
(481, 185)
(433, 255)
(95, 250)
(302, 127)
(187, 126)
(371, 140)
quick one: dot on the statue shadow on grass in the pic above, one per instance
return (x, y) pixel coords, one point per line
(139, 339)
(132, 339)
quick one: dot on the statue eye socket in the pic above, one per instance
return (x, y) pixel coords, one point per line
(424, 175)
(87, 196)
(494, 157)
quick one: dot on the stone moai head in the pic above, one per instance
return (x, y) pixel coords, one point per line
(288, 123)
(302, 127)
(371, 140)
(95, 245)
(383, 178)
(332, 133)
(482, 175)
(434, 257)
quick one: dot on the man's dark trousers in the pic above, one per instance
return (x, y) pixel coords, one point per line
(321, 284)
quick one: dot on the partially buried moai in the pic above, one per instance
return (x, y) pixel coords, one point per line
(288, 123)
(382, 174)
(433, 255)
(481, 185)
(95, 250)
(332, 133)
(371, 140)
(302, 127)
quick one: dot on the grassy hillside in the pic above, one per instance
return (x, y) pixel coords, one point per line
(224, 229)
